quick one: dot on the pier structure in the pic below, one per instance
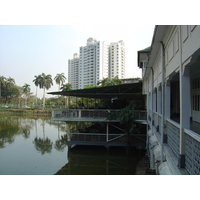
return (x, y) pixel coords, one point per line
(109, 117)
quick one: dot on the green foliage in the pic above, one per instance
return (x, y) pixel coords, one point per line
(126, 118)
(8, 89)
(66, 87)
(111, 115)
(60, 79)
(109, 82)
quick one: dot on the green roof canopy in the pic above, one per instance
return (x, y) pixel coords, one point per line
(124, 91)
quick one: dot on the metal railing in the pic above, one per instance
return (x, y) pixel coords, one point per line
(110, 114)
(86, 113)
(135, 139)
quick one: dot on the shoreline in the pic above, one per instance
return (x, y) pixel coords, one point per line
(27, 112)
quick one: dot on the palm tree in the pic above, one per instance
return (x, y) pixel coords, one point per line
(26, 90)
(60, 79)
(45, 82)
(104, 82)
(66, 87)
(108, 81)
(116, 81)
(36, 81)
(11, 80)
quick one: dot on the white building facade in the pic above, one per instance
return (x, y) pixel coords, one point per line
(73, 71)
(97, 60)
(171, 83)
(93, 64)
(117, 60)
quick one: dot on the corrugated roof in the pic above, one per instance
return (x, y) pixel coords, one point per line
(124, 91)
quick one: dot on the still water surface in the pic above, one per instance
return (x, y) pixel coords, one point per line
(36, 146)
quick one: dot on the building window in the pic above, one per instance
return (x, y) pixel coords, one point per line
(196, 94)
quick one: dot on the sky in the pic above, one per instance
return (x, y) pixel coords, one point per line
(29, 50)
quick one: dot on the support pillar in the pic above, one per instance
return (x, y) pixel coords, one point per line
(167, 100)
(107, 131)
(185, 106)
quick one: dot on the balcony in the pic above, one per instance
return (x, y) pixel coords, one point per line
(94, 115)
(86, 115)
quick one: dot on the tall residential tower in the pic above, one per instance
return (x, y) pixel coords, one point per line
(93, 65)
(73, 71)
(117, 60)
(97, 60)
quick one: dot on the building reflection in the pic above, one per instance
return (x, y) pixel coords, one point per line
(95, 160)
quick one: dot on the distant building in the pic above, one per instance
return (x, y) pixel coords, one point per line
(97, 60)
(93, 65)
(117, 60)
(73, 71)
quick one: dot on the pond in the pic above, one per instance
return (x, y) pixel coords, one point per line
(38, 146)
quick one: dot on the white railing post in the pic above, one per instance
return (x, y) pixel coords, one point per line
(79, 113)
(107, 131)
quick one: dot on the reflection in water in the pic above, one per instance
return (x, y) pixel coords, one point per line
(39, 146)
(93, 160)
(30, 145)
(43, 145)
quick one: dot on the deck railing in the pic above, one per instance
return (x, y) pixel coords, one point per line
(110, 114)
(134, 139)
(86, 113)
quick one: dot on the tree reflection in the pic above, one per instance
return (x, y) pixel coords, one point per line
(9, 127)
(43, 145)
(60, 144)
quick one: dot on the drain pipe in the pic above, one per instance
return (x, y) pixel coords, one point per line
(163, 138)
(151, 127)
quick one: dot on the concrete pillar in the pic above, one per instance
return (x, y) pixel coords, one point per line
(185, 106)
(167, 100)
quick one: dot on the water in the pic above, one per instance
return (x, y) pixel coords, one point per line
(36, 146)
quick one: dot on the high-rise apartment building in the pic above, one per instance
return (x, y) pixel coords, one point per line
(93, 64)
(117, 60)
(97, 60)
(73, 71)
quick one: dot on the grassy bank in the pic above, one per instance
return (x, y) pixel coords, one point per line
(27, 112)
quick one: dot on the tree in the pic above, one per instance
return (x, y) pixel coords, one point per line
(2, 82)
(37, 81)
(8, 88)
(45, 82)
(104, 82)
(60, 79)
(66, 87)
(26, 91)
(109, 82)
(116, 81)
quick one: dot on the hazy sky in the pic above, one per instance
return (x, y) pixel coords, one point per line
(29, 50)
